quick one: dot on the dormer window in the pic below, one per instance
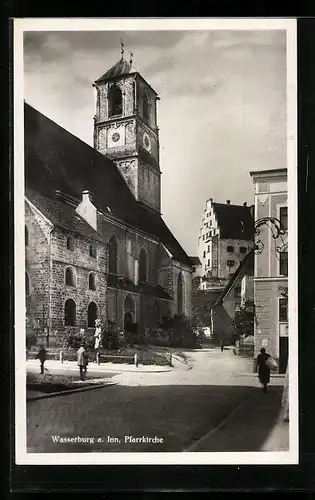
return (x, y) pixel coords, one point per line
(114, 101)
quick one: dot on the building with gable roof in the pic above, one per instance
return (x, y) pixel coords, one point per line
(226, 236)
(238, 294)
(96, 243)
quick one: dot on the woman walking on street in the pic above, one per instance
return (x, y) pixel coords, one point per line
(263, 369)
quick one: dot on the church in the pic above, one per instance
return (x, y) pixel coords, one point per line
(96, 245)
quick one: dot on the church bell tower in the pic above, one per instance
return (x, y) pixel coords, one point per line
(125, 129)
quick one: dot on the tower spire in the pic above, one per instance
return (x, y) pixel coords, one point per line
(122, 48)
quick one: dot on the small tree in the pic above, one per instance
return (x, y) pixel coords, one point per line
(243, 323)
(73, 340)
(110, 336)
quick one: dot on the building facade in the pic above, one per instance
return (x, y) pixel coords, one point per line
(237, 296)
(226, 236)
(96, 244)
(271, 266)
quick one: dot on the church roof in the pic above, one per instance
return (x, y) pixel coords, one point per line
(62, 215)
(235, 221)
(122, 67)
(195, 260)
(56, 160)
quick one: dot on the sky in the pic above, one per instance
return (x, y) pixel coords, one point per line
(221, 115)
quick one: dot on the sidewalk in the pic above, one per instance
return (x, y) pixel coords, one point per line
(278, 439)
(54, 366)
(255, 425)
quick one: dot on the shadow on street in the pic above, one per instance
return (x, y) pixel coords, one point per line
(180, 415)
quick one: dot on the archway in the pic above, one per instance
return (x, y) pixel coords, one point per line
(129, 311)
(70, 313)
(128, 320)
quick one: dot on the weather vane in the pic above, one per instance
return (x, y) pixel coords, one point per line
(122, 48)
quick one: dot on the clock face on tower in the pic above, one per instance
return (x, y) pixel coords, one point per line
(116, 137)
(146, 141)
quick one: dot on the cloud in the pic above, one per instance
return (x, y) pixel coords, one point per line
(221, 114)
(204, 87)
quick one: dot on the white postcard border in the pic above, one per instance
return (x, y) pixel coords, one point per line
(148, 458)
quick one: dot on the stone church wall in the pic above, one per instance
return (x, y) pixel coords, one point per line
(81, 261)
(37, 268)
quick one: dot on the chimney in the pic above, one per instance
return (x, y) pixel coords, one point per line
(87, 210)
(245, 204)
(86, 196)
(228, 202)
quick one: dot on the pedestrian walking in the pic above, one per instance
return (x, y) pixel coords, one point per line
(83, 361)
(222, 346)
(42, 356)
(263, 368)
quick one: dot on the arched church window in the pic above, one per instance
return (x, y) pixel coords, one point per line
(26, 236)
(112, 255)
(92, 314)
(70, 313)
(129, 312)
(145, 106)
(27, 284)
(114, 101)
(143, 265)
(70, 277)
(92, 281)
(180, 294)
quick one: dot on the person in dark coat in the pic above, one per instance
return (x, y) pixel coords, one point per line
(42, 356)
(263, 369)
(222, 345)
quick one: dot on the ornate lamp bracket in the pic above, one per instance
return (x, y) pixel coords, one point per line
(276, 230)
